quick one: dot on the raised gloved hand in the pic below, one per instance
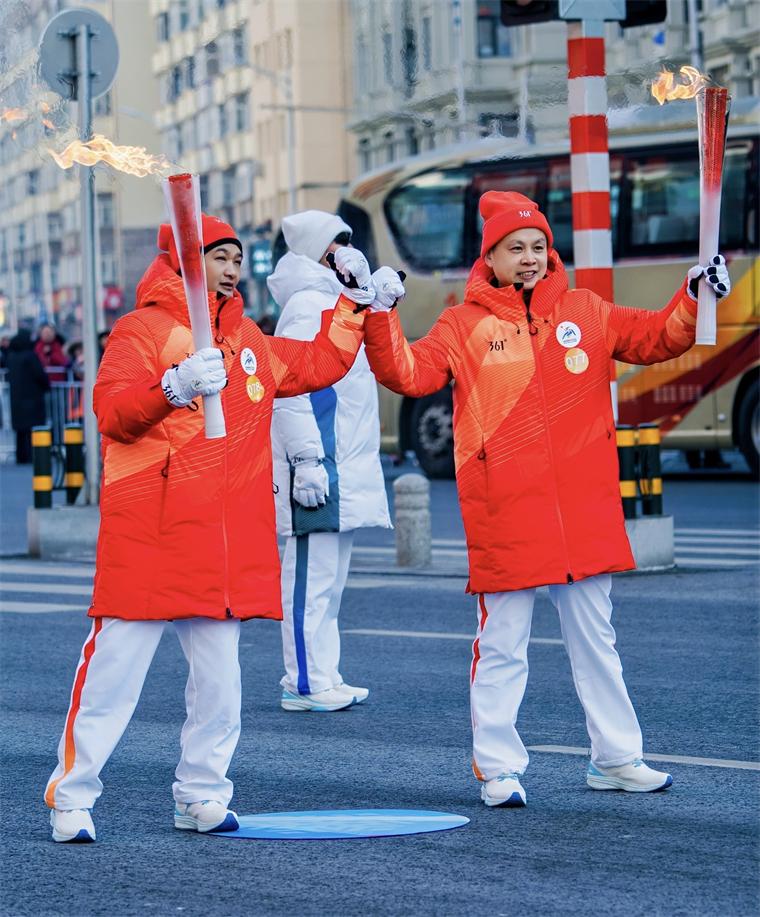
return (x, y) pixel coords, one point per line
(202, 373)
(353, 271)
(389, 289)
(311, 485)
(716, 274)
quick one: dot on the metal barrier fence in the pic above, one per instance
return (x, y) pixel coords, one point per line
(63, 405)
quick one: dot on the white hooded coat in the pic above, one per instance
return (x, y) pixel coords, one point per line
(341, 422)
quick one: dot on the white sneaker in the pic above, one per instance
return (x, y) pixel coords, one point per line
(208, 815)
(635, 777)
(326, 701)
(504, 790)
(359, 694)
(72, 825)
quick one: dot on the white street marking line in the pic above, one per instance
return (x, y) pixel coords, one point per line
(676, 759)
(41, 568)
(388, 552)
(435, 635)
(47, 588)
(753, 532)
(714, 549)
(713, 539)
(711, 562)
(34, 608)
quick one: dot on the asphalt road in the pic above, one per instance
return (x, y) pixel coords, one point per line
(688, 641)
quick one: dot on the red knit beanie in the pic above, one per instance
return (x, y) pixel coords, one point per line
(215, 232)
(504, 212)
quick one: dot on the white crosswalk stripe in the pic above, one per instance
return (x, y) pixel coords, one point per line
(713, 547)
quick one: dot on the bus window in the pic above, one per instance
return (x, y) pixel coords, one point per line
(525, 180)
(426, 217)
(736, 229)
(664, 201)
(362, 236)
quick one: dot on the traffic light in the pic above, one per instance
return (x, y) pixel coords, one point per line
(525, 12)
(644, 12)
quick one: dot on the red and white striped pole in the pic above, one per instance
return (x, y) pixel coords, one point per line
(590, 163)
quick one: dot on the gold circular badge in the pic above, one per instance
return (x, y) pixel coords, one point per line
(254, 388)
(576, 361)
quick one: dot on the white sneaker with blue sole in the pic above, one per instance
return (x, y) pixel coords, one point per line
(204, 816)
(327, 701)
(504, 790)
(72, 826)
(635, 777)
(359, 694)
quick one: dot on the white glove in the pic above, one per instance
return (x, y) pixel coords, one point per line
(351, 263)
(311, 485)
(389, 290)
(200, 374)
(716, 274)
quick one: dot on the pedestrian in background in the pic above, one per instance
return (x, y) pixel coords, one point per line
(49, 349)
(537, 473)
(28, 383)
(327, 472)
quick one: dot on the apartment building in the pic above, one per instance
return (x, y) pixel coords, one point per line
(254, 97)
(40, 238)
(431, 72)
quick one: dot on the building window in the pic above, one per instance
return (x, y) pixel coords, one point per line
(365, 155)
(427, 43)
(239, 47)
(390, 146)
(175, 83)
(229, 186)
(162, 27)
(241, 113)
(33, 182)
(388, 57)
(499, 125)
(203, 186)
(190, 72)
(105, 211)
(222, 121)
(102, 107)
(212, 60)
(412, 143)
(409, 60)
(183, 14)
(494, 39)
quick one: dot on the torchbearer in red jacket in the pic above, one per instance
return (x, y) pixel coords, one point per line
(537, 472)
(187, 529)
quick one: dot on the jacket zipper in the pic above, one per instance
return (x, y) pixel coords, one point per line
(540, 378)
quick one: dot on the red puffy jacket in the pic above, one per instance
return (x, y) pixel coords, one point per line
(534, 435)
(187, 523)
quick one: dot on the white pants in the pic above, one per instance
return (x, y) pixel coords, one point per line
(314, 573)
(499, 674)
(112, 667)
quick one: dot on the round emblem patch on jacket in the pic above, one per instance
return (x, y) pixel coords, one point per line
(576, 361)
(254, 388)
(568, 334)
(248, 361)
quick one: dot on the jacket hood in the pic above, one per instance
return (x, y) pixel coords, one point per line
(162, 286)
(295, 273)
(507, 302)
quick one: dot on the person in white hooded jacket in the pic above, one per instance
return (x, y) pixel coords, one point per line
(328, 477)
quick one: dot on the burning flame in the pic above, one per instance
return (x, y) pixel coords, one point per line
(48, 124)
(134, 160)
(13, 114)
(666, 89)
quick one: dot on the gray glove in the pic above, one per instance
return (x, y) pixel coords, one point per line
(311, 484)
(202, 373)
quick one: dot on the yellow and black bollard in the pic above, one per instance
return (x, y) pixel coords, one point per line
(73, 440)
(42, 463)
(650, 475)
(626, 446)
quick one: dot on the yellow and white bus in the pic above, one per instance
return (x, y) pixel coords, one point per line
(420, 215)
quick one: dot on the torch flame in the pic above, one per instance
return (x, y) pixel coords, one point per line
(134, 160)
(13, 114)
(666, 89)
(46, 122)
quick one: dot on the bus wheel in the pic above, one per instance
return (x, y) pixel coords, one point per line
(431, 434)
(749, 426)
